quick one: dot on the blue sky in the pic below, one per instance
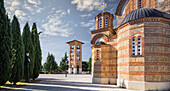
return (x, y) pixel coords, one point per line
(60, 21)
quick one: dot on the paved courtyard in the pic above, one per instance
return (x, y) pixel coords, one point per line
(58, 82)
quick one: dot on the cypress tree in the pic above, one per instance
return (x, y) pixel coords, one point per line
(17, 51)
(38, 55)
(5, 46)
(28, 45)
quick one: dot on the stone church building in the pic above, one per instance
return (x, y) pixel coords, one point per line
(136, 54)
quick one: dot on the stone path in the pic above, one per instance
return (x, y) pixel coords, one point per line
(58, 82)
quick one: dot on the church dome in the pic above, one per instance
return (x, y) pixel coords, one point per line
(145, 12)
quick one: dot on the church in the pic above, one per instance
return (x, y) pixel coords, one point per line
(135, 54)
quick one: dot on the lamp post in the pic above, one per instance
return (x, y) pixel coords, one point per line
(28, 60)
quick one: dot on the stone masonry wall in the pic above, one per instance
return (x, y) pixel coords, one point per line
(123, 53)
(157, 52)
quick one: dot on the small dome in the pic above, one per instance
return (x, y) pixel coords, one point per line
(100, 43)
(145, 12)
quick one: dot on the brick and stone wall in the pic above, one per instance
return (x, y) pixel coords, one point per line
(157, 51)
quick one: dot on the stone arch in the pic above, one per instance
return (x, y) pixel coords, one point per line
(120, 7)
(103, 36)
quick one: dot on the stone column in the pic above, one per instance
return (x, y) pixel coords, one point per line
(75, 70)
(70, 70)
(80, 70)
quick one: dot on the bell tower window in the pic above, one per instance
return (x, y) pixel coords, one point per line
(100, 23)
(78, 58)
(72, 49)
(140, 4)
(78, 49)
(106, 22)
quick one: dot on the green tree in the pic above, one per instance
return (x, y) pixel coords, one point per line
(50, 65)
(29, 48)
(5, 45)
(63, 63)
(84, 66)
(89, 65)
(38, 54)
(18, 52)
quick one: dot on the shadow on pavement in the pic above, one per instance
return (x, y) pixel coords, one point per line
(68, 83)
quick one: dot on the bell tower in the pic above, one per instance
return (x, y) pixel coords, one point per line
(75, 57)
(104, 20)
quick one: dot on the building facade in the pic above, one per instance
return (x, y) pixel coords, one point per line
(136, 54)
(75, 57)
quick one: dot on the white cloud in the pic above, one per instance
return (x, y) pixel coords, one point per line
(35, 2)
(13, 7)
(26, 6)
(56, 26)
(90, 24)
(88, 5)
(68, 11)
(87, 24)
(15, 3)
(34, 6)
(20, 14)
(86, 15)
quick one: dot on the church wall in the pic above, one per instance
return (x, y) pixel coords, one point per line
(150, 70)
(104, 69)
(105, 61)
(129, 68)
(123, 53)
(96, 64)
(157, 51)
(136, 63)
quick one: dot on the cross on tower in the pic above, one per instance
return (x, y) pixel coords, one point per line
(103, 6)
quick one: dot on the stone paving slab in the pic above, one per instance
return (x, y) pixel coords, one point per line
(58, 82)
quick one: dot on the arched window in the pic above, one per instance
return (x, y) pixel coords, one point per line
(78, 58)
(140, 3)
(133, 47)
(97, 55)
(106, 22)
(78, 49)
(161, 4)
(100, 23)
(139, 46)
(72, 57)
(136, 45)
(72, 49)
(99, 40)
